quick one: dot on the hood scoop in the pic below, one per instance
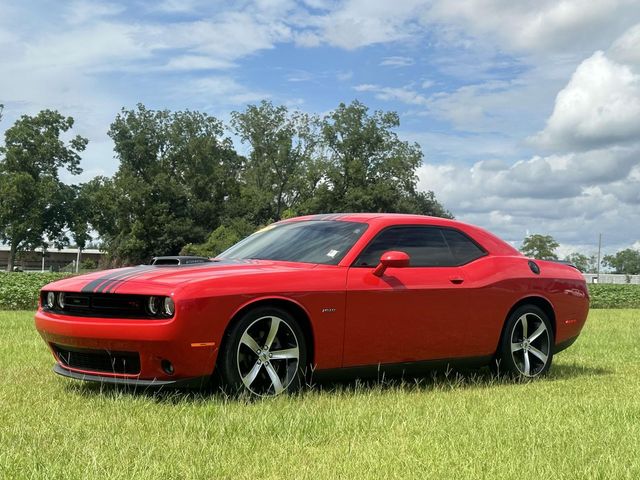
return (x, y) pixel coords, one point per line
(178, 260)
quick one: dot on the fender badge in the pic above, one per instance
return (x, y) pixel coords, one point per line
(328, 310)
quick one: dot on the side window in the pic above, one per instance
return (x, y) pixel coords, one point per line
(464, 250)
(425, 245)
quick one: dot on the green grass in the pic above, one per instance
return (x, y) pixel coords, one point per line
(582, 421)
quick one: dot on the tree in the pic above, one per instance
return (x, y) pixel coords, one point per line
(221, 238)
(177, 174)
(582, 262)
(281, 169)
(80, 212)
(625, 261)
(33, 200)
(368, 168)
(541, 247)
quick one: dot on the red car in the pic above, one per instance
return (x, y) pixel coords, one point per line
(328, 293)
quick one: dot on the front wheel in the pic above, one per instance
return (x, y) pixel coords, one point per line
(263, 353)
(526, 347)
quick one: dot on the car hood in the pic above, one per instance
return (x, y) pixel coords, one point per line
(109, 281)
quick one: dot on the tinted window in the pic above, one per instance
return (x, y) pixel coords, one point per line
(462, 247)
(308, 242)
(425, 245)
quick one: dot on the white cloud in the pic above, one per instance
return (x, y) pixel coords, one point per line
(492, 107)
(196, 62)
(567, 196)
(626, 49)
(307, 39)
(404, 94)
(229, 36)
(358, 23)
(397, 61)
(599, 106)
(82, 11)
(177, 6)
(539, 25)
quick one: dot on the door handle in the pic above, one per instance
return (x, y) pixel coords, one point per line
(456, 280)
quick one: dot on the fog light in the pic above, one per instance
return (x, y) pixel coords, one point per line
(51, 299)
(169, 306)
(167, 367)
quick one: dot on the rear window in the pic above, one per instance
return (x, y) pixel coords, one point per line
(464, 249)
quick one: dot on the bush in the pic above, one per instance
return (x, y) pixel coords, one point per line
(88, 264)
(19, 291)
(604, 295)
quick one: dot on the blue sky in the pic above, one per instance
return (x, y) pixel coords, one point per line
(528, 112)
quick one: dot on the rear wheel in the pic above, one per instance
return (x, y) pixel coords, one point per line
(263, 353)
(526, 347)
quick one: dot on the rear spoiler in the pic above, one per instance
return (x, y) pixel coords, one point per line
(563, 262)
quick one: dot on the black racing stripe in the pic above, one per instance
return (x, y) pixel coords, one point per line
(104, 287)
(109, 281)
(113, 284)
(106, 281)
(92, 285)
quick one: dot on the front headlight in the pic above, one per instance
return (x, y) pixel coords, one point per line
(169, 306)
(61, 299)
(160, 307)
(154, 305)
(51, 299)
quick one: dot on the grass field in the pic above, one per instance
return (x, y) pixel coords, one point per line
(582, 421)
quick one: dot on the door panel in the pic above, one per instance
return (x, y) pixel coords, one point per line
(408, 314)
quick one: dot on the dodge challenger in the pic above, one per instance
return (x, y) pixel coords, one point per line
(328, 294)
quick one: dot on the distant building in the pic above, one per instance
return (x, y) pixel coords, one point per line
(53, 259)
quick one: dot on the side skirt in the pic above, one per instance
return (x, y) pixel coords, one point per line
(400, 369)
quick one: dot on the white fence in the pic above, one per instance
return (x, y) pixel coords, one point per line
(612, 278)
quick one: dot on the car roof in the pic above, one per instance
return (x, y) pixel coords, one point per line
(487, 239)
(368, 217)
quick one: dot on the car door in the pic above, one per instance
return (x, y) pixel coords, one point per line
(408, 314)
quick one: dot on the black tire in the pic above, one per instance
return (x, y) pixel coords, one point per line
(525, 356)
(246, 366)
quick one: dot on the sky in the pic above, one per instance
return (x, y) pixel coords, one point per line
(528, 112)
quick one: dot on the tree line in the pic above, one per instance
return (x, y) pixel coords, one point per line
(181, 185)
(544, 247)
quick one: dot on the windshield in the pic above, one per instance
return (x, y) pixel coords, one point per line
(314, 241)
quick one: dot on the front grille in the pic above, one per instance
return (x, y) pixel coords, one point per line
(98, 360)
(102, 305)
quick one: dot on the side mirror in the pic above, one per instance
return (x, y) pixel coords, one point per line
(391, 259)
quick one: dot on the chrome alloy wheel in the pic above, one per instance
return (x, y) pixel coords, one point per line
(530, 344)
(268, 356)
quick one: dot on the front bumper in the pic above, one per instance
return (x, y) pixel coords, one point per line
(187, 341)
